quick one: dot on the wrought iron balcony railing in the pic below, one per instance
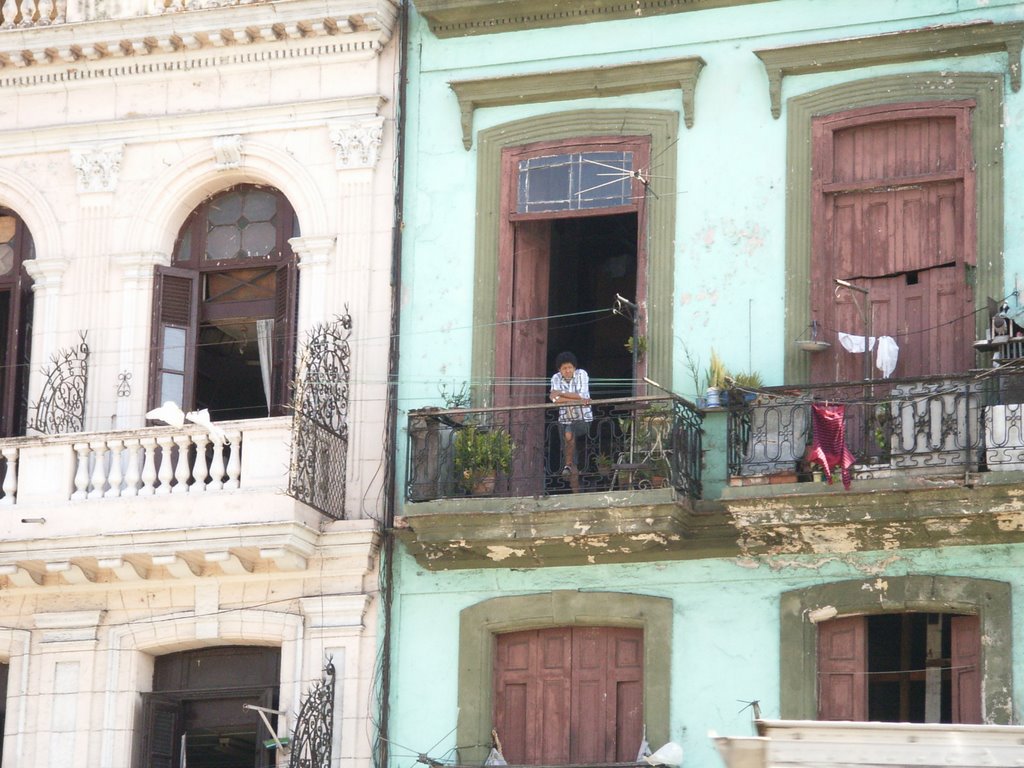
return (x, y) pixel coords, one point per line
(942, 425)
(634, 443)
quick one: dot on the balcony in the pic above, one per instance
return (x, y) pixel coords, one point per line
(486, 485)
(934, 460)
(162, 501)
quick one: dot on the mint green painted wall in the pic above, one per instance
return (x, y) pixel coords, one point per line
(730, 233)
(725, 645)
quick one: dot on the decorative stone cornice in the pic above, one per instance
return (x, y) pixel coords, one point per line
(98, 167)
(357, 142)
(227, 152)
(639, 77)
(893, 48)
(454, 18)
(99, 48)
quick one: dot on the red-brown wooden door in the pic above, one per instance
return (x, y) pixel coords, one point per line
(965, 663)
(842, 668)
(893, 211)
(569, 695)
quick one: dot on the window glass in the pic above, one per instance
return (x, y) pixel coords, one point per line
(242, 224)
(574, 181)
(172, 387)
(174, 349)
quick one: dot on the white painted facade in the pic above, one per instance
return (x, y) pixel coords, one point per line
(116, 122)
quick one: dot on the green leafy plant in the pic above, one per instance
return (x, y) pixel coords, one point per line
(750, 380)
(641, 346)
(480, 453)
(456, 398)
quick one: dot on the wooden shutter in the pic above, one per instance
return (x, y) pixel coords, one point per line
(175, 306)
(842, 668)
(607, 694)
(966, 672)
(162, 728)
(532, 695)
(893, 210)
(285, 321)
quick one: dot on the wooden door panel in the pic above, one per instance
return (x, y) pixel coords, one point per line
(966, 664)
(842, 664)
(894, 211)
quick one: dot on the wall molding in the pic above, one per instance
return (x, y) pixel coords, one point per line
(893, 48)
(566, 85)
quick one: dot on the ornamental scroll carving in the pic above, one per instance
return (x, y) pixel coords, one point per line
(357, 143)
(98, 167)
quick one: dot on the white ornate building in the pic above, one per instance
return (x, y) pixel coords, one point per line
(195, 207)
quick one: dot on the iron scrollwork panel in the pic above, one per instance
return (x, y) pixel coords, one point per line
(314, 727)
(320, 418)
(61, 405)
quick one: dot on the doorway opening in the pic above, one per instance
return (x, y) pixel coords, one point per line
(593, 258)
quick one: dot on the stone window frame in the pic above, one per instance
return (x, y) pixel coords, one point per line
(662, 126)
(479, 623)
(986, 139)
(798, 637)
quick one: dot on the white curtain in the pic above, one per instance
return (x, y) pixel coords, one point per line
(265, 340)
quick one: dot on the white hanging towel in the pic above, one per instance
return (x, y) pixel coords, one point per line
(886, 357)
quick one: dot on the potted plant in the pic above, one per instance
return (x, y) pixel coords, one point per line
(743, 386)
(714, 380)
(480, 453)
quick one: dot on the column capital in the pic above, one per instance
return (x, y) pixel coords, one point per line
(140, 263)
(313, 250)
(357, 141)
(47, 274)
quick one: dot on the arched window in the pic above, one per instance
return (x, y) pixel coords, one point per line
(16, 247)
(224, 311)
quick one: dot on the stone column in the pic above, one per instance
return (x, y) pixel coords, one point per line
(136, 288)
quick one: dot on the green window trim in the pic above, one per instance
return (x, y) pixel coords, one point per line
(986, 144)
(640, 77)
(798, 647)
(662, 127)
(479, 623)
(892, 48)
(455, 18)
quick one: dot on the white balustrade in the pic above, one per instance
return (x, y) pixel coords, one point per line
(10, 480)
(167, 463)
(158, 461)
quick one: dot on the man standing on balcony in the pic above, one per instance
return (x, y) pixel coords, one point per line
(571, 385)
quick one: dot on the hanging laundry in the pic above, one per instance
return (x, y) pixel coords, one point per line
(828, 448)
(886, 357)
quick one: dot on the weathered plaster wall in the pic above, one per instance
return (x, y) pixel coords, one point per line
(730, 224)
(725, 635)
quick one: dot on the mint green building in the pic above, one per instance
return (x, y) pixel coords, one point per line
(712, 204)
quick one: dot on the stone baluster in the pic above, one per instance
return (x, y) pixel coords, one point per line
(181, 471)
(45, 11)
(81, 471)
(10, 11)
(217, 464)
(132, 448)
(99, 470)
(114, 474)
(148, 467)
(234, 469)
(199, 472)
(166, 472)
(10, 485)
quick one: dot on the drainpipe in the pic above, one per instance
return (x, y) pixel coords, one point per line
(387, 556)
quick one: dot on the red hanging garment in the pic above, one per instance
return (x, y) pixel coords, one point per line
(828, 448)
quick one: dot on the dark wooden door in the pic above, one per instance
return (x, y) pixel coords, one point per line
(520, 375)
(893, 211)
(966, 668)
(842, 669)
(569, 695)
